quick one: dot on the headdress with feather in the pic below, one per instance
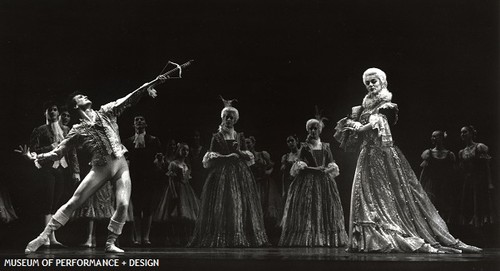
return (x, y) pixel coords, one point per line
(228, 106)
(317, 119)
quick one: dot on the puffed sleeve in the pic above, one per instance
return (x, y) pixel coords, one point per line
(210, 155)
(380, 122)
(425, 156)
(299, 164)
(482, 151)
(297, 167)
(332, 169)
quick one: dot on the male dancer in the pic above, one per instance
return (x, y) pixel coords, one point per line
(98, 132)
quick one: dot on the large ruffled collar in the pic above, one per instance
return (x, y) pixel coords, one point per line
(371, 101)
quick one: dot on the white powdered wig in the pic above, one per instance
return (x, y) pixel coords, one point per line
(377, 72)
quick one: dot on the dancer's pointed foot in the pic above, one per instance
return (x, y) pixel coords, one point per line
(111, 244)
(449, 250)
(111, 248)
(36, 243)
(467, 248)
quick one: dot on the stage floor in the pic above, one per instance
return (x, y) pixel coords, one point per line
(254, 259)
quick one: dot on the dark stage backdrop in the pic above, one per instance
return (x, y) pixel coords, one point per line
(278, 58)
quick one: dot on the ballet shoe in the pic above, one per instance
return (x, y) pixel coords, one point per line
(36, 243)
(449, 250)
(111, 248)
(146, 242)
(467, 248)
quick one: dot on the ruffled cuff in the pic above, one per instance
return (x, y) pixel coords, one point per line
(340, 129)
(208, 159)
(332, 170)
(377, 121)
(297, 167)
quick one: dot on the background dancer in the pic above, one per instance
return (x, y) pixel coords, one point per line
(142, 148)
(50, 174)
(476, 201)
(438, 176)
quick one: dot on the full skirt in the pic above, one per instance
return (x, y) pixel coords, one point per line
(230, 212)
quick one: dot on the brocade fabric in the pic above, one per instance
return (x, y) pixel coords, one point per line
(390, 211)
(100, 205)
(101, 137)
(230, 211)
(313, 215)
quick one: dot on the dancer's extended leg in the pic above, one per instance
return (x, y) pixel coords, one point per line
(87, 187)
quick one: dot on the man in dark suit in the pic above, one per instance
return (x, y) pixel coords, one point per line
(50, 174)
(142, 149)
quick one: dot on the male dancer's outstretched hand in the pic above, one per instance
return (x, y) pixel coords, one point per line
(25, 152)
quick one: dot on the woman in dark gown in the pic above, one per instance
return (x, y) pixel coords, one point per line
(438, 176)
(230, 210)
(476, 203)
(313, 215)
(390, 212)
(179, 205)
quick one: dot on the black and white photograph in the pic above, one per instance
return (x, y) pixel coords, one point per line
(250, 135)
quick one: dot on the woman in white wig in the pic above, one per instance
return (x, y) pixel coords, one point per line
(390, 212)
(230, 211)
(313, 215)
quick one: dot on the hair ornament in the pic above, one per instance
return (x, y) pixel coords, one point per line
(318, 116)
(227, 103)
